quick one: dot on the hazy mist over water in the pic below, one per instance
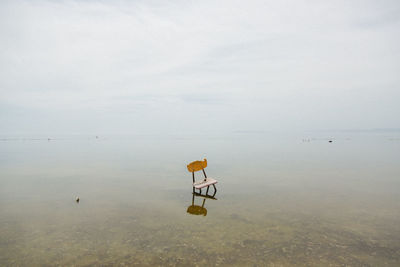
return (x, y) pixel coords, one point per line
(294, 105)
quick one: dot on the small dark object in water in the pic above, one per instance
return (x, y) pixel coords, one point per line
(330, 141)
(77, 199)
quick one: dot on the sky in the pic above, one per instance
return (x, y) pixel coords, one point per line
(183, 66)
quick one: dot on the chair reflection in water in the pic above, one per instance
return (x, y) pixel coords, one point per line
(206, 182)
(196, 209)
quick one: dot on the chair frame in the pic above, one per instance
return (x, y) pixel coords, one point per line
(208, 187)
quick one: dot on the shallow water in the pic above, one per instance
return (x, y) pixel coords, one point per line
(281, 200)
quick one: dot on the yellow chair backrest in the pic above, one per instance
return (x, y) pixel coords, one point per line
(197, 165)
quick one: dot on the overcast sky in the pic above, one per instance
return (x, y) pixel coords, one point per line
(188, 66)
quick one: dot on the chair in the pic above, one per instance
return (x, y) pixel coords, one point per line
(206, 182)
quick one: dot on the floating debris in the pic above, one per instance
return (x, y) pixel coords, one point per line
(77, 199)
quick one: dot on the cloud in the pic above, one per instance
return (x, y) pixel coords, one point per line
(300, 64)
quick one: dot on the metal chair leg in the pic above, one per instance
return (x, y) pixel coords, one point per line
(215, 189)
(208, 187)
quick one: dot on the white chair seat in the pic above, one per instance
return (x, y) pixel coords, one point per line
(204, 183)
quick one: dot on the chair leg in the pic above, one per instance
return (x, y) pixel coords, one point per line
(205, 175)
(215, 189)
(208, 187)
(200, 190)
(193, 189)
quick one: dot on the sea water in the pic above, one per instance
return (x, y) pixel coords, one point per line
(282, 200)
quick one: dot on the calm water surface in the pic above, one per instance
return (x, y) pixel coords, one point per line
(281, 200)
